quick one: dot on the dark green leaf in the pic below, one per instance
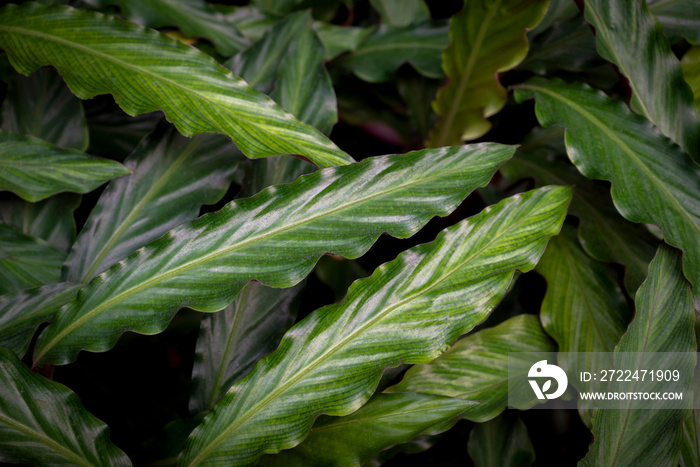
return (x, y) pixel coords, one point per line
(44, 423)
(338, 273)
(663, 323)
(339, 39)
(275, 237)
(500, 442)
(679, 18)
(476, 367)
(35, 169)
(402, 12)
(115, 135)
(147, 71)
(232, 341)
(331, 362)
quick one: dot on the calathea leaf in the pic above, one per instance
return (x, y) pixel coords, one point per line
(35, 169)
(232, 340)
(42, 106)
(385, 420)
(147, 71)
(679, 18)
(26, 261)
(402, 12)
(23, 311)
(114, 134)
(501, 441)
(275, 237)
(652, 180)
(487, 37)
(691, 72)
(172, 177)
(628, 35)
(43, 422)
(331, 362)
(340, 39)
(50, 220)
(476, 367)
(663, 323)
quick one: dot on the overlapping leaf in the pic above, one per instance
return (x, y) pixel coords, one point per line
(652, 180)
(42, 106)
(385, 420)
(339, 39)
(331, 362)
(476, 367)
(691, 72)
(663, 323)
(679, 18)
(487, 37)
(501, 441)
(23, 311)
(584, 309)
(43, 422)
(389, 47)
(628, 35)
(35, 169)
(172, 178)
(147, 71)
(402, 12)
(232, 340)
(275, 237)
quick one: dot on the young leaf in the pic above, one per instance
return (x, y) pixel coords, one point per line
(663, 323)
(389, 47)
(42, 106)
(476, 367)
(172, 177)
(50, 220)
(385, 420)
(231, 341)
(147, 71)
(331, 362)
(501, 441)
(43, 422)
(652, 180)
(402, 12)
(487, 37)
(628, 35)
(26, 261)
(23, 311)
(275, 237)
(584, 309)
(35, 169)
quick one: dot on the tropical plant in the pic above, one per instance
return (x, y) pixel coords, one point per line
(229, 299)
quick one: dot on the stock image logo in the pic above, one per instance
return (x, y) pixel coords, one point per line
(542, 370)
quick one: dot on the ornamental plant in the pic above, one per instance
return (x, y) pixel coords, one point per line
(194, 196)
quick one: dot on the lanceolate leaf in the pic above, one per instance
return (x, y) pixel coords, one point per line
(679, 18)
(652, 180)
(331, 362)
(389, 47)
(385, 420)
(22, 312)
(629, 36)
(147, 71)
(42, 106)
(663, 323)
(402, 12)
(26, 261)
(501, 441)
(50, 220)
(35, 169)
(204, 263)
(476, 367)
(232, 340)
(172, 177)
(691, 72)
(195, 18)
(488, 36)
(42, 422)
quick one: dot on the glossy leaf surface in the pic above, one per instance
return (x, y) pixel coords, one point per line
(43, 422)
(501, 441)
(231, 341)
(628, 35)
(172, 177)
(385, 420)
(147, 71)
(487, 37)
(331, 362)
(663, 323)
(35, 169)
(652, 180)
(204, 263)
(476, 367)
